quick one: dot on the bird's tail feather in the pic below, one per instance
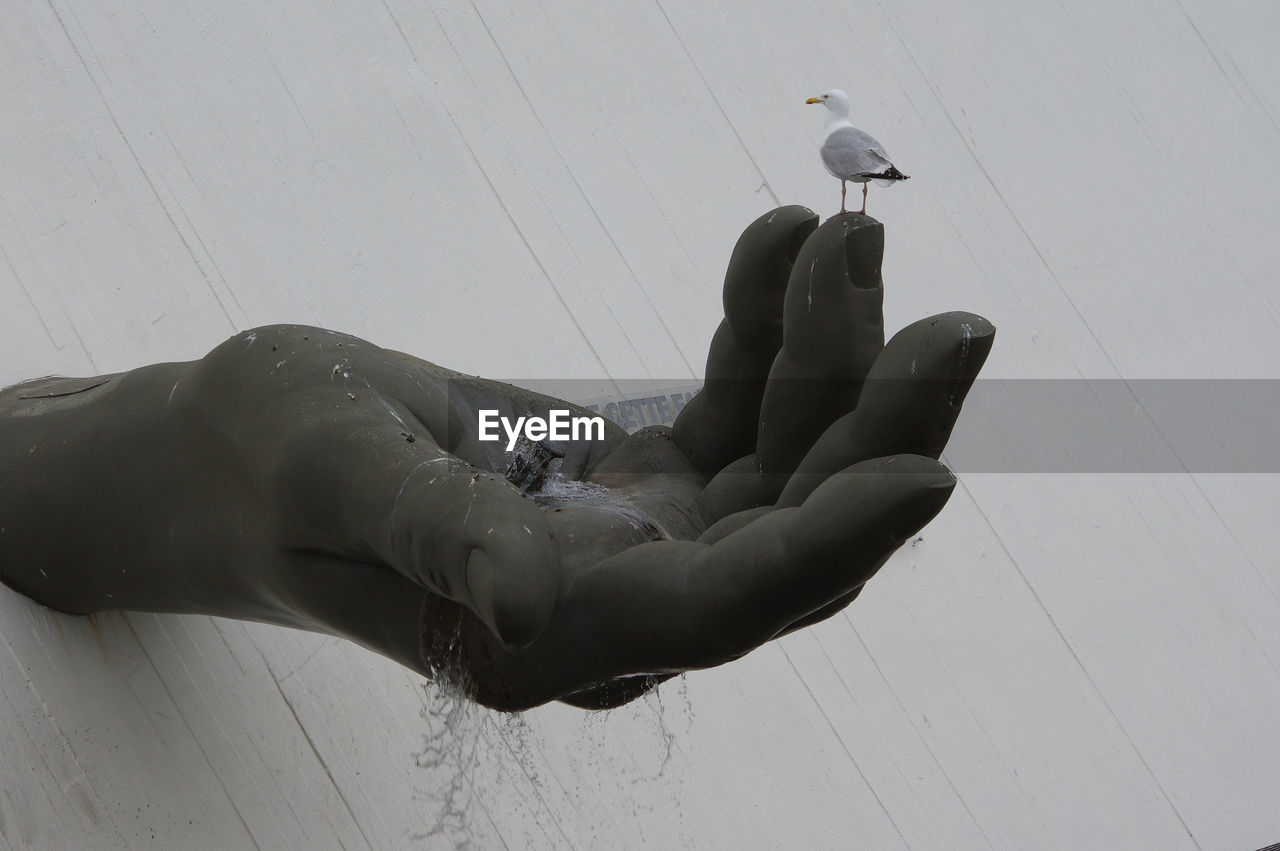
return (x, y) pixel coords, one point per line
(887, 177)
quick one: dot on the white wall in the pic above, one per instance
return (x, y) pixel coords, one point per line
(1062, 661)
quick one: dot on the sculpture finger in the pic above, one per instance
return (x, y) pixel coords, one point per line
(834, 329)
(670, 606)
(719, 424)
(829, 546)
(909, 403)
(463, 532)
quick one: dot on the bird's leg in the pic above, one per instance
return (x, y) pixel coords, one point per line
(844, 187)
(863, 211)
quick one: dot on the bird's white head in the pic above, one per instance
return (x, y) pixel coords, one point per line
(834, 100)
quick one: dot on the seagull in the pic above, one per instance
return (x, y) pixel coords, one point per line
(849, 153)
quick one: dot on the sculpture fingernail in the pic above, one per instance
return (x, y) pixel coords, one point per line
(799, 234)
(922, 507)
(864, 252)
(977, 337)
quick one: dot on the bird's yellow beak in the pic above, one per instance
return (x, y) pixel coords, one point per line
(814, 100)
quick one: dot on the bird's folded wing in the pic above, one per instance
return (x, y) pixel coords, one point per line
(849, 152)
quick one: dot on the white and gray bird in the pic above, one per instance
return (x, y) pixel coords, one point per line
(850, 154)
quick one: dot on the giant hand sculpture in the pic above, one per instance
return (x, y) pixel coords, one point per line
(303, 477)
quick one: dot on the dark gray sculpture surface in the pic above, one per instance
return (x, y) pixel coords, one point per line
(303, 477)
